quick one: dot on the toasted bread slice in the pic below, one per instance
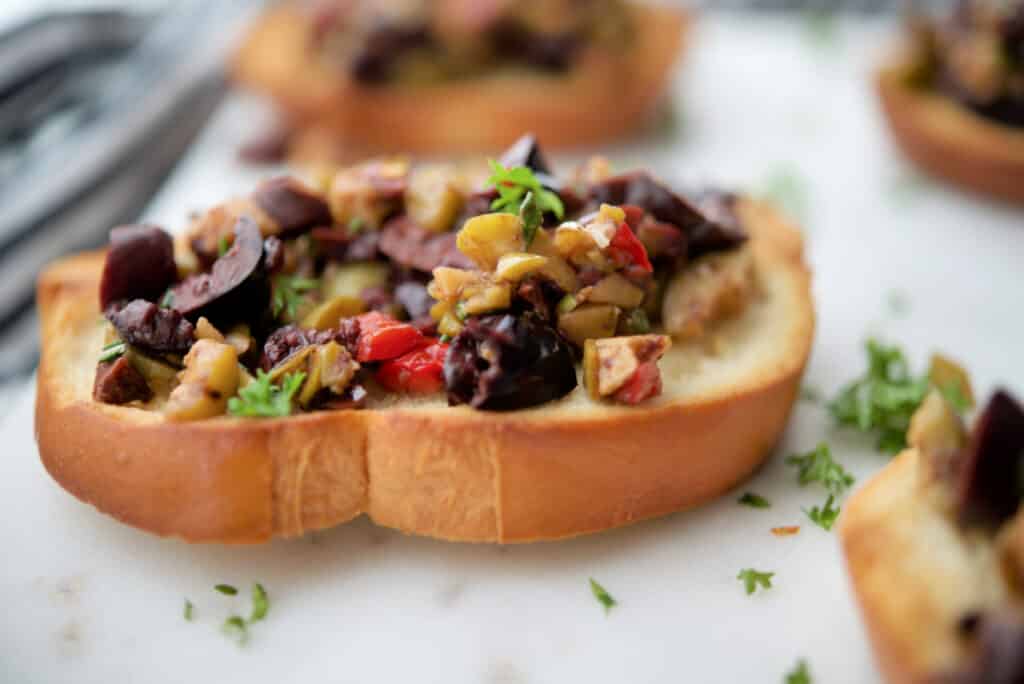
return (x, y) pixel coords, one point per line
(604, 96)
(948, 140)
(915, 573)
(565, 468)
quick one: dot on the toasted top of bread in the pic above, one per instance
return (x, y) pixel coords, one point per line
(565, 468)
(604, 96)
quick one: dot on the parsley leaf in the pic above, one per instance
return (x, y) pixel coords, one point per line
(817, 466)
(260, 603)
(754, 500)
(236, 628)
(799, 674)
(112, 351)
(512, 186)
(603, 597)
(531, 215)
(222, 245)
(188, 610)
(226, 589)
(752, 578)
(824, 517)
(883, 400)
(289, 291)
(262, 399)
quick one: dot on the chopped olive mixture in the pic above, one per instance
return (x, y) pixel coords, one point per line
(490, 286)
(420, 41)
(975, 55)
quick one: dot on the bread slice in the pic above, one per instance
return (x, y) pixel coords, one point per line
(565, 468)
(948, 140)
(603, 97)
(915, 573)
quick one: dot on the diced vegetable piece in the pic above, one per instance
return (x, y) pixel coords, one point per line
(615, 289)
(644, 384)
(448, 283)
(160, 375)
(635, 323)
(210, 378)
(240, 337)
(432, 198)
(626, 242)
(590, 321)
(556, 268)
(950, 377)
(329, 366)
(611, 363)
(382, 338)
(488, 296)
(570, 239)
(327, 314)
(349, 280)
(364, 193)
(206, 331)
(591, 367)
(418, 372)
(660, 239)
(611, 213)
(710, 289)
(486, 238)
(515, 266)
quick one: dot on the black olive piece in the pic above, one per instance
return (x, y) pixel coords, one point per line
(526, 152)
(146, 325)
(236, 288)
(384, 45)
(294, 207)
(721, 229)
(991, 465)
(413, 297)
(289, 339)
(640, 189)
(139, 265)
(999, 656)
(503, 363)
(119, 382)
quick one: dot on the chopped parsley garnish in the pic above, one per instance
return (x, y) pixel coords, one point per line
(883, 400)
(532, 217)
(236, 628)
(226, 589)
(167, 301)
(263, 399)
(223, 246)
(445, 339)
(799, 674)
(824, 516)
(188, 610)
(602, 595)
(112, 351)
(817, 465)
(289, 291)
(512, 186)
(356, 225)
(260, 603)
(752, 579)
(754, 500)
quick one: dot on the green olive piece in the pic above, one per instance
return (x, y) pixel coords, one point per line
(160, 375)
(590, 321)
(615, 289)
(327, 314)
(349, 280)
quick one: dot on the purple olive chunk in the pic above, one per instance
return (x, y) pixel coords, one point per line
(294, 207)
(504, 363)
(997, 653)
(146, 325)
(289, 339)
(236, 288)
(408, 244)
(526, 152)
(119, 382)
(139, 265)
(990, 469)
(640, 189)
(413, 297)
(721, 228)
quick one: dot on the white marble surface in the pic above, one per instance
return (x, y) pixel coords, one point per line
(87, 600)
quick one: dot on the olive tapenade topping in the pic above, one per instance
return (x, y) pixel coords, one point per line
(139, 265)
(990, 466)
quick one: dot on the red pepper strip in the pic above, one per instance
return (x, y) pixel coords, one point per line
(644, 384)
(418, 372)
(381, 337)
(626, 241)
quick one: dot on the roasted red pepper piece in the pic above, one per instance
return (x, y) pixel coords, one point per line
(418, 372)
(626, 242)
(382, 338)
(645, 383)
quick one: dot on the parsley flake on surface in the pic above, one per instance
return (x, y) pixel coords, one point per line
(884, 398)
(817, 465)
(226, 589)
(236, 628)
(754, 500)
(512, 186)
(752, 579)
(602, 595)
(260, 603)
(531, 215)
(288, 293)
(263, 399)
(825, 516)
(799, 674)
(189, 610)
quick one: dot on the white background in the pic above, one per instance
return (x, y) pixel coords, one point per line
(88, 600)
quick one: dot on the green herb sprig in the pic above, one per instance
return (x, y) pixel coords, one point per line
(752, 579)
(532, 217)
(799, 674)
(263, 399)
(754, 500)
(288, 293)
(824, 516)
(513, 185)
(602, 595)
(817, 465)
